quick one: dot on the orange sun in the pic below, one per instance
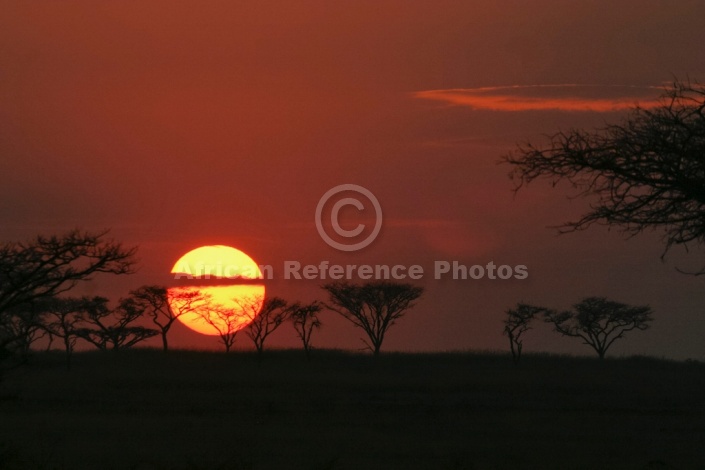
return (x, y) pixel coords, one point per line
(215, 309)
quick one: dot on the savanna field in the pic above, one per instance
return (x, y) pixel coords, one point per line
(144, 409)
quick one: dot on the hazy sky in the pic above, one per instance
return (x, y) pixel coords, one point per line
(179, 124)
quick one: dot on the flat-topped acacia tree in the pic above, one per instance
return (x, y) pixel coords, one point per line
(115, 329)
(373, 306)
(599, 322)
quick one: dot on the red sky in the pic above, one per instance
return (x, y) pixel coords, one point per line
(179, 124)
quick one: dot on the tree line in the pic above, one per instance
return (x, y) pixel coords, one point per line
(645, 173)
(36, 276)
(597, 321)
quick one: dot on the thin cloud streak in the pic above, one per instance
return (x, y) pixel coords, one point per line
(566, 97)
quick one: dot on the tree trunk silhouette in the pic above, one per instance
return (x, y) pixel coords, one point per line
(67, 346)
(165, 342)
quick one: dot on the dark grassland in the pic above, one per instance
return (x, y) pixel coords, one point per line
(143, 409)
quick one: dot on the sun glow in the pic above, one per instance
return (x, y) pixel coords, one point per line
(216, 262)
(215, 309)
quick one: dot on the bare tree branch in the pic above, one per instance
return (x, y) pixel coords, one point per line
(164, 306)
(48, 266)
(646, 173)
(226, 321)
(264, 315)
(305, 320)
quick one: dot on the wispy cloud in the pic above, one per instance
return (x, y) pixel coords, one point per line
(565, 97)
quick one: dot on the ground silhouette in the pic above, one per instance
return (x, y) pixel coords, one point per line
(143, 409)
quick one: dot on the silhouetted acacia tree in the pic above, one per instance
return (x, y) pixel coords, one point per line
(226, 321)
(647, 172)
(599, 322)
(112, 329)
(373, 306)
(305, 320)
(20, 328)
(262, 321)
(48, 266)
(164, 308)
(516, 323)
(61, 319)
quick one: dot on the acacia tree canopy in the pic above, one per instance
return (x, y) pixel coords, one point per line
(265, 315)
(373, 306)
(599, 322)
(164, 308)
(647, 172)
(112, 329)
(45, 267)
(516, 323)
(49, 266)
(305, 319)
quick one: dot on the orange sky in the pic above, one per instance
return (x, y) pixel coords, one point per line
(181, 123)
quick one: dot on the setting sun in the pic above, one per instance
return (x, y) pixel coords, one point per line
(217, 309)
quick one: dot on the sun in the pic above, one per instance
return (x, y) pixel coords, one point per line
(217, 306)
